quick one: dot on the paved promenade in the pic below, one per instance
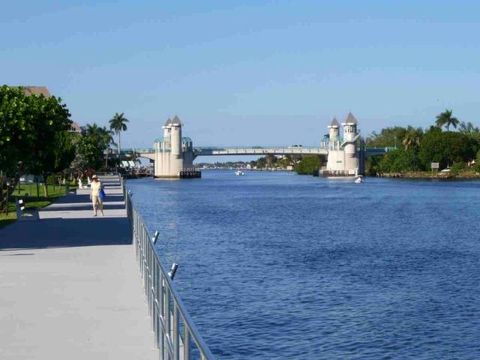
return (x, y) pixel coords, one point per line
(70, 287)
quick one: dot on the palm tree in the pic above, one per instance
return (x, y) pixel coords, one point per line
(411, 140)
(103, 136)
(118, 124)
(446, 119)
(468, 128)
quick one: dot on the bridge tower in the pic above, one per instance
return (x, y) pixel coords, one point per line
(163, 166)
(173, 153)
(342, 153)
(333, 130)
(176, 158)
(350, 136)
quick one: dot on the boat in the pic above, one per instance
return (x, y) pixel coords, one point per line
(359, 180)
(239, 173)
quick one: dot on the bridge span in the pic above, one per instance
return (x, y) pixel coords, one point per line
(255, 151)
(240, 150)
(259, 150)
(345, 153)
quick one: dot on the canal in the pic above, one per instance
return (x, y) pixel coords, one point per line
(281, 266)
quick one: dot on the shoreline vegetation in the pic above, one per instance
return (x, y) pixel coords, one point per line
(419, 175)
(428, 175)
(432, 153)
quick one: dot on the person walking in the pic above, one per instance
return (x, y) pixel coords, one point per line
(97, 201)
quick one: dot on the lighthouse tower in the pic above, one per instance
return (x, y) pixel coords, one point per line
(350, 136)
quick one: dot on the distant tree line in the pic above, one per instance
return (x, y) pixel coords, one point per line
(308, 165)
(416, 148)
(301, 164)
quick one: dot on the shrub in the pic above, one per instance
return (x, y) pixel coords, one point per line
(457, 168)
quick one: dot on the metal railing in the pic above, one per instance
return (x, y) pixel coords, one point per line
(257, 150)
(175, 334)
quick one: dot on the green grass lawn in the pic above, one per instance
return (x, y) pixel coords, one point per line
(28, 192)
(10, 218)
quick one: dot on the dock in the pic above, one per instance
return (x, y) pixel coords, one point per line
(70, 287)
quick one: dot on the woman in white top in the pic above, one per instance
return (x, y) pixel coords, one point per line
(97, 202)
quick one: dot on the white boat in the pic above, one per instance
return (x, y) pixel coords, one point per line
(239, 173)
(359, 180)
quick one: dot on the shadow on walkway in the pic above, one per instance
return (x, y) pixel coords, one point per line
(48, 233)
(85, 198)
(82, 206)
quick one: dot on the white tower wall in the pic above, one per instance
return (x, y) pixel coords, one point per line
(176, 158)
(173, 158)
(158, 162)
(176, 141)
(351, 159)
(333, 133)
(342, 155)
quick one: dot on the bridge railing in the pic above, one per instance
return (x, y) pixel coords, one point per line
(222, 148)
(175, 333)
(137, 150)
(199, 151)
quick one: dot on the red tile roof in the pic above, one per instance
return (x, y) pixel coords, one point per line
(36, 90)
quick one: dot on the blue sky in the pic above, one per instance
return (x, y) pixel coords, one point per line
(247, 72)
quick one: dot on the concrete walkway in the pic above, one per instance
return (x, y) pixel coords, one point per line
(70, 287)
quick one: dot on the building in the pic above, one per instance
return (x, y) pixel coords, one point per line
(43, 90)
(173, 153)
(36, 90)
(343, 156)
(75, 128)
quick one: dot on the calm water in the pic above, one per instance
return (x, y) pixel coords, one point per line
(280, 266)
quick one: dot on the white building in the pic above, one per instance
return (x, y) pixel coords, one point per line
(174, 153)
(343, 157)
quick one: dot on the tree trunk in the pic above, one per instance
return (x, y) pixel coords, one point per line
(2, 204)
(45, 186)
(119, 145)
(6, 203)
(9, 192)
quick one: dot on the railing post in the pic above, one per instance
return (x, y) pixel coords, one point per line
(167, 311)
(176, 335)
(186, 343)
(162, 312)
(155, 303)
(164, 305)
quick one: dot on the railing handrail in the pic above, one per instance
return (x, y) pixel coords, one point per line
(153, 283)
